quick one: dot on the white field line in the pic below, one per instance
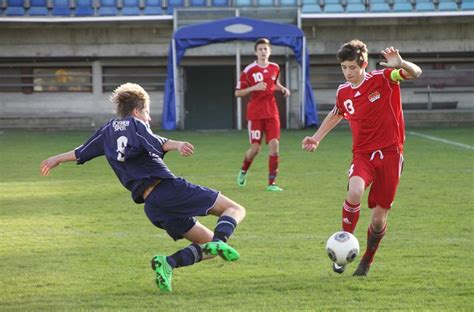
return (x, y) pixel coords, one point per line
(469, 147)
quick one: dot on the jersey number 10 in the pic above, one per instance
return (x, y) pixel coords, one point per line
(257, 77)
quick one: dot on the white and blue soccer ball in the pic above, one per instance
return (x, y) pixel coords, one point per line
(342, 247)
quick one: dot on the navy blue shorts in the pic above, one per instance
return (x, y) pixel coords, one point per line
(173, 204)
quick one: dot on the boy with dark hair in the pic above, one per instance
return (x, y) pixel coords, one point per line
(371, 102)
(261, 79)
(136, 155)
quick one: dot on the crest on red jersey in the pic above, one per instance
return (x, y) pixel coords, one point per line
(374, 96)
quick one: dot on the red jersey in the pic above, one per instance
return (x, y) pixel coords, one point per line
(374, 111)
(262, 104)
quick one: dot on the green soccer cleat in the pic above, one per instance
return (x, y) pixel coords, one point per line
(219, 248)
(274, 188)
(164, 273)
(241, 178)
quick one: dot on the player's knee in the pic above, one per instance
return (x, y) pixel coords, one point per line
(256, 148)
(241, 211)
(355, 195)
(378, 223)
(237, 211)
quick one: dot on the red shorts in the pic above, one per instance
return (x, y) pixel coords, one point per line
(257, 127)
(381, 171)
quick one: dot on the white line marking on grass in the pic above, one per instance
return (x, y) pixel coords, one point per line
(469, 147)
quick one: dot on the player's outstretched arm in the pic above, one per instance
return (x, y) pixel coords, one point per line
(184, 148)
(54, 161)
(311, 143)
(394, 60)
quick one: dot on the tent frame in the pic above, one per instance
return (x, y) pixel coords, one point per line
(178, 121)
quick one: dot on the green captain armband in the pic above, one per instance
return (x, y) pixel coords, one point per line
(396, 75)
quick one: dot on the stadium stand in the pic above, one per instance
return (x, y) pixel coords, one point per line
(243, 3)
(379, 7)
(288, 3)
(38, 8)
(311, 8)
(15, 8)
(220, 3)
(172, 4)
(152, 7)
(34, 75)
(197, 3)
(265, 3)
(467, 5)
(131, 7)
(61, 8)
(108, 8)
(447, 5)
(84, 8)
(158, 7)
(333, 8)
(424, 6)
(402, 6)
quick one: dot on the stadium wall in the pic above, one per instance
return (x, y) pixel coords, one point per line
(100, 45)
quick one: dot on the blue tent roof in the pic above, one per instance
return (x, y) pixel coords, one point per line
(236, 28)
(229, 29)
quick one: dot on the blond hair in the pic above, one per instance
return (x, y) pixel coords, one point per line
(127, 97)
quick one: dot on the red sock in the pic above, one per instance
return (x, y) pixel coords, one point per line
(272, 168)
(246, 164)
(373, 241)
(350, 216)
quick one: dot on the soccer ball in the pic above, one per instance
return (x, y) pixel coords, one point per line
(342, 247)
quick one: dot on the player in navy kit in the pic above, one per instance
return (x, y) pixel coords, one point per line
(136, 155)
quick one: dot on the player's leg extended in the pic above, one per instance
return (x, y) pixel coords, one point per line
(351, 211)
(351, 206)
(359, 177)
(381, 197)
(164, 265)
(230, 214)
(375, 233)
(255, 131)
(272, 132)
(250, 155)
(273, 159)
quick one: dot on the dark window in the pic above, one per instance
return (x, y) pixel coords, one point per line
(62, 79)
(45, 79)
(150, 78)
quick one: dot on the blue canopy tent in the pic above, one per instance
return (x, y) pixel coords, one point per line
(236, 28)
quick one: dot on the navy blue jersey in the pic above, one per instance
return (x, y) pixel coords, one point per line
(132, 150)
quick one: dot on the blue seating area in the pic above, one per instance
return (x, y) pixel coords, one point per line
(61, 8)
(385, 6)
(85, 8)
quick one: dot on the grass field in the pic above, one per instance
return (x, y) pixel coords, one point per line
(75, 241)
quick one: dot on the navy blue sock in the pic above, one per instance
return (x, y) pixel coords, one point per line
(186, 256)
(224, 228)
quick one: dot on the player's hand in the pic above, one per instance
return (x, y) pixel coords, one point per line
(392, 55)
(309, 144)
(285, 91)
(186, 149)
(47, 165)
(261, 86)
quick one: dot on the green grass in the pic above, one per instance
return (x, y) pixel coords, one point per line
(76, 241)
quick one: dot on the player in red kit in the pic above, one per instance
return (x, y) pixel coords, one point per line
(371, 102)
(261, 80)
